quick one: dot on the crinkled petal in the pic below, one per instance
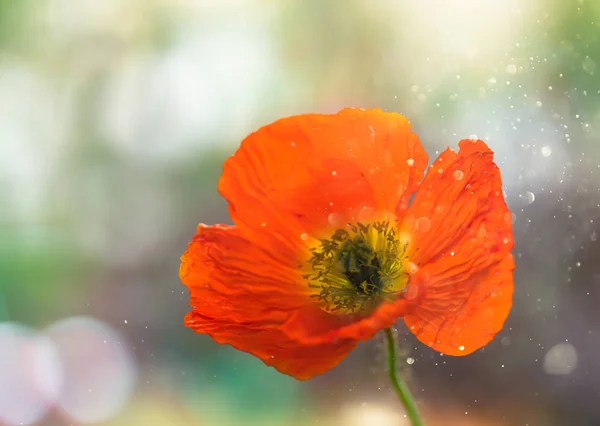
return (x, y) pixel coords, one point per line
(242, 296)
(305, 175)
(383, 146)
(229, 277)
(459, 317)
(273, 347)
(312, 325)
(460, 232)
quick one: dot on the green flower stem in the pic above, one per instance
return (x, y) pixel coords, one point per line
(401, 388)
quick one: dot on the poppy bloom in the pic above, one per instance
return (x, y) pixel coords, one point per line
(338, 234)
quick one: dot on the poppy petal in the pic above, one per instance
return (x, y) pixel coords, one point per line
(303, 175)
(241, 295)
(382, 144)
(457, 318)
(312, 325)
(461, 237)
(229, 277)
(273, 347)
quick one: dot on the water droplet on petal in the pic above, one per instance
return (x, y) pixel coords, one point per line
(335, 219)
(410, 162)
(304, 236)
(481, 232)
(423, 224)
(461, 348)
(458, 175)
(412, 268)
(412, 291)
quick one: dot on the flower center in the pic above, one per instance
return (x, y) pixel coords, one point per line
(358, 267)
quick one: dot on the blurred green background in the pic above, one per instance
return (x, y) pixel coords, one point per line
(115, 118)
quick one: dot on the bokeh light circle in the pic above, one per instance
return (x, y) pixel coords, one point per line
(30, 375)
(99, 370)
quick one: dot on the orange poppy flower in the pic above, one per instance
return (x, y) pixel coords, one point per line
(328, 248)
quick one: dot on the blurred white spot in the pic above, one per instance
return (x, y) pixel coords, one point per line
(593, 236)
(85, 18)
(561, 359)
(538, 103)
(30, 114)
(30, 375)
(530, 197)
(410, 162)
(368, 415)
(410, 360)
(458, 174)
(465, 29)
(473, 138)
(546, 151)
(171, 103)
(511, 69)
(461, 348)
(99, 371)
(304, 236)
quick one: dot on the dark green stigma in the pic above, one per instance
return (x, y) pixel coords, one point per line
(357, 268)
(360, 264)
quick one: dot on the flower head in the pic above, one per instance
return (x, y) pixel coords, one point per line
(338, 235)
